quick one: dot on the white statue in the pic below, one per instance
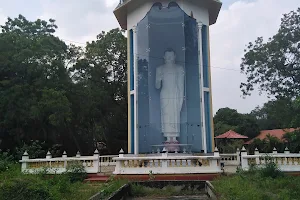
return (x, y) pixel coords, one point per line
(170, 78)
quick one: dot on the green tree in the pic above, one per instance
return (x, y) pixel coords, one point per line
(227, 116)
(293, 141)
(229, 119)
(276, 114)
(273, 66)
(61, 96)
(103, 75)
(220, 128)
(33, 80)
(248, 126)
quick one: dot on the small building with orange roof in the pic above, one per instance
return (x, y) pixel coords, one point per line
(231, 135)
(277, 133)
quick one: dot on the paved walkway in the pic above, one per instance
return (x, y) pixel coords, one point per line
(230, 169)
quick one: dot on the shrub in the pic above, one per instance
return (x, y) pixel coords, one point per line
(35, 149)
(25, 188)
(60, 186)
(6, 161)
(271, 170)
(76, 172)
(16, 185)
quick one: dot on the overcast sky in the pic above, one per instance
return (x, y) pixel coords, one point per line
(239, 22)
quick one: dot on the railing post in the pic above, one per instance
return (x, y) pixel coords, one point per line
(48, 156)
(121, 153)
(65, 156)
(244, 160)
(119, 162)
(215, 162)
(216, 152)
(96, 161)
(25, 158)
(238, 157)
(286, 151)
(256, 152)
(164, 164)
(275, 151)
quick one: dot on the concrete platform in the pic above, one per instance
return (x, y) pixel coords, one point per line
(177, 177)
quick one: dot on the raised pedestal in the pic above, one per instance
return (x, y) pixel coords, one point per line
(168, 163)
(172, 146)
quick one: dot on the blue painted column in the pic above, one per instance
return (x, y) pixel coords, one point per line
(131, 106)
(207, 90)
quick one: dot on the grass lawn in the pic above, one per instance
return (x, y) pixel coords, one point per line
(264, 184)
(17, 186)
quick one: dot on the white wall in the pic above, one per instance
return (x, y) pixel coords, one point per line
(135, 15)
(200, 13)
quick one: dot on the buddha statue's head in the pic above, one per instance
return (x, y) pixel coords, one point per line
(169, 56)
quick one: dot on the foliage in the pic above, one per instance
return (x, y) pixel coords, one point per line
(35, 149)
(221, 127)
(270, 169)
(229, 119)
(76, 172)
(293, 141)
(24, 189)
(278, 113)
(63, 96)
(229, 145)
(258, 184)
(5, 161)
(273, 66)
(56, 150)
(267, 145)
(167, 191)
(15, 185)
(108, 60)
(112, 186)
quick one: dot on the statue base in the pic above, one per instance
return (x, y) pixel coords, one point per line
(172, 146)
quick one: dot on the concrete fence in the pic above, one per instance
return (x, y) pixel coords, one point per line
(107, 164)
(168, 163)
(162, 163)
(59, 165)
(286, 162)
(233, 159)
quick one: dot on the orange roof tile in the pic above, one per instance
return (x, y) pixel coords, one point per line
(231, 135)
(278, 133)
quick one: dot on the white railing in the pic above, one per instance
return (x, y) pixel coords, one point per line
(167, 164)
(59, 165)
(286, 162)
(231, 159)
(107, 160)
(160, 163)
(107, 164)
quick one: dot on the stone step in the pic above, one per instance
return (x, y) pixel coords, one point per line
(97, 178)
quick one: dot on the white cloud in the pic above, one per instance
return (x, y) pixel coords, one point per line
(2, 17)
(111, 3)
(240, 24)
(81, 21)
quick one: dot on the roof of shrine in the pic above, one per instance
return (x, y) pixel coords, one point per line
(231, 135)
(121, 11)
